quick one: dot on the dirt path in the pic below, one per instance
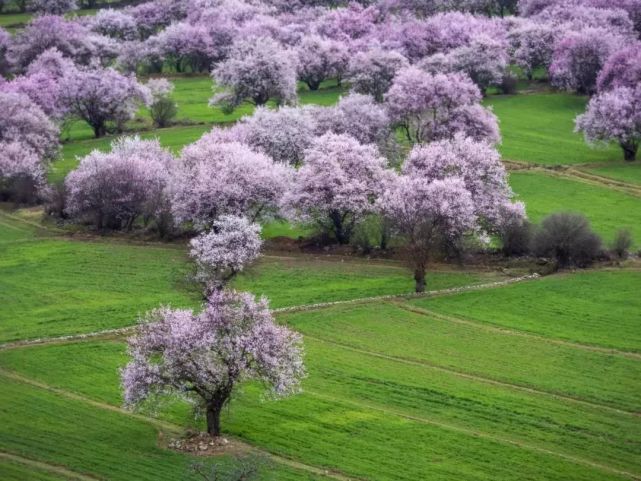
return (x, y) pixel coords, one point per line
(474, 377)
(579, 173)
(167, 426)
(480, 434)
(305, 307)
(49, 468)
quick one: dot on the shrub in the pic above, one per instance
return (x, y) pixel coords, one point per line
(508, 84)
(516, 238)
(568, 238)
(621, 244)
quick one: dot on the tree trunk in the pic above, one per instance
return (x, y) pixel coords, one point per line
(342, 236)
(419, 277)
(98, 130)
(213, 419)
(313, 84)
(629, 151)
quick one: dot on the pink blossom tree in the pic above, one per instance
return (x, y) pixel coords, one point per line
(431, 107)
(217, 178)
(51, 62)
(371, 72)
(111, 190)
(193, 47)
(337, 185)
(43, 89)
(622, 69)
(220, 254)
(22, 172)
(356, 115)
(614, 116)
(477, 164)
(115, 23)
(579, 56)
(204, 357)
(361, 117)
(320, 59)
(284, 134)
(155, 15)
(257, 70)
(52, 7)
(484, 60)
(427, 214)
(532, 44)
(73, 40)
(99, 96)
(24, 122)
(162, 107)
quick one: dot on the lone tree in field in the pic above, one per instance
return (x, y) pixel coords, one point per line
(203, 357)
(614, 116)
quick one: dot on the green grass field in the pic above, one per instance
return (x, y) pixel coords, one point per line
(391, 394)
(539, 128)
(309, 280)
(534, 381)
(608, 210)
(593, 307)
(625, 172)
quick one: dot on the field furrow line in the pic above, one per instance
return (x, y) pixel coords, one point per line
(580, 176)
(475, 377)
(440, 292)
(515, 332)
(50, 468)
(175, 428)
(282, 310)
(479, 434)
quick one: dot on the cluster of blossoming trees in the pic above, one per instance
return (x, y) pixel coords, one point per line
(419, 60)
(419, 68)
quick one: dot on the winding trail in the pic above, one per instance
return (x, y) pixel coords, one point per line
(304, 307)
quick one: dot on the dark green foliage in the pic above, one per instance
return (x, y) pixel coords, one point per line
(516, 238)
(622, 243)
(163, 111)
(568, 238)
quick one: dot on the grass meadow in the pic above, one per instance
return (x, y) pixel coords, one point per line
(533, 381)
